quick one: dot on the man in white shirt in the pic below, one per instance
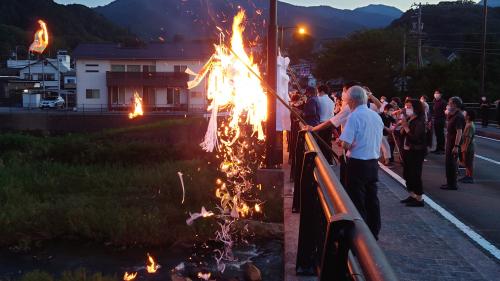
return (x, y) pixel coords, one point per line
(362, 137)
(326, 107)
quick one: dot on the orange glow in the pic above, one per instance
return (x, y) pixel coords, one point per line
(302, 30)
(129, 277)
(41, 40)
(137, 107)
(257, 208)
(151, 265)
(204, 276)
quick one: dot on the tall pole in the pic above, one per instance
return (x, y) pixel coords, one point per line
(483, 48)
(272, 53)
(419, 28)
(403, 67)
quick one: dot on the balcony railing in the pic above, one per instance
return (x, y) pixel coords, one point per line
(147, 79)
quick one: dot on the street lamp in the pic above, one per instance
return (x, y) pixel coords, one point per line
(300, 30)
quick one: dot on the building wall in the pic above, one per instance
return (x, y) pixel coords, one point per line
(97, 80)
(38, 69)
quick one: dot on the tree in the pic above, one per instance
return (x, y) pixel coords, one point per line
(301, 48)
(373, 57)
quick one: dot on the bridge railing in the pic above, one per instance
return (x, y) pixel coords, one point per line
(334, 241)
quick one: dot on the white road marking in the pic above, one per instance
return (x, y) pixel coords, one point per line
(486, 138)
(485, 244)
(487, 159)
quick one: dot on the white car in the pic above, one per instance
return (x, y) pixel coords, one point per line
(52, 102)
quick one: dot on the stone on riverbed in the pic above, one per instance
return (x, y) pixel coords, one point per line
(252, 273)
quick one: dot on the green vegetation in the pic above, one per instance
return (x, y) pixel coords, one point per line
(119, 187)
(68, 25)
(375, 57)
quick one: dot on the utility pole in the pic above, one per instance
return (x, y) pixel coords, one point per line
(272, 53)
(419, 38)
(483, 48)
(403, 84)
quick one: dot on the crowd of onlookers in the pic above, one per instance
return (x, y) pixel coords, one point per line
(368, 130)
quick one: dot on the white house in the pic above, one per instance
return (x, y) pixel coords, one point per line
(108, 75)
(48, 71)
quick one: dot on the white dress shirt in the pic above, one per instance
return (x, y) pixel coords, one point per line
(326, 107)
(364, 131)
(340, 118)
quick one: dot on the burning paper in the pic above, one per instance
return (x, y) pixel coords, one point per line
(129, 277)
(41, 40)
(231, 85)
(137, 107)
(151, 265)
(203, 214)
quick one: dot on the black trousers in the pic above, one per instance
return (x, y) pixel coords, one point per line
(361, 185)
(326, 136)
(485, 120)
(451, 163)
(439, 132)
(412, 172)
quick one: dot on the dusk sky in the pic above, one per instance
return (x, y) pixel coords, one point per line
(342, 4)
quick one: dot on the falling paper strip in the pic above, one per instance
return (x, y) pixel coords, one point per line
(203, 214)
(182, 184)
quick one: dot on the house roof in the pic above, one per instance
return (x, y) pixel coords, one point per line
(51, 62)
(152, 51)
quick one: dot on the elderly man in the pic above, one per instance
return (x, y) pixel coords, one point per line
(362, 137)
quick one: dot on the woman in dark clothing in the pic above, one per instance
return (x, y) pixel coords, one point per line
(414, 150)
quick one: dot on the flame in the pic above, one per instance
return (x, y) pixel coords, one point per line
(129, 277)
(257, 208)
(137, 107)
(204, 276)
(231, 85)
(41, 40)
(151, 265)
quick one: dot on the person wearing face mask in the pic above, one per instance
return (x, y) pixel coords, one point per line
(414, 150)
(439, 121)
(484, 107)
(456, 124)
(387, 147)
(361, 138)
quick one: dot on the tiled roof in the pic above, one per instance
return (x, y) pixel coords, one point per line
(152, 51)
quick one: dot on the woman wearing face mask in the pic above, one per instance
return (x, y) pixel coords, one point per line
(414, 150)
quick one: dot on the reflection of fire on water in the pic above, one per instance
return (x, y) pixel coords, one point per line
(129, 276)
(233, 87)
(41, 40)
(137, 107)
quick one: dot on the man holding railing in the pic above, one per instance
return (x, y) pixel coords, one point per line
(361, 138)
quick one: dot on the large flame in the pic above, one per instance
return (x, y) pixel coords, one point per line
(231, 85)
(137, 105)
(41, 40)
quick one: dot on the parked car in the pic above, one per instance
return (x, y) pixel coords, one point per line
(52, 102)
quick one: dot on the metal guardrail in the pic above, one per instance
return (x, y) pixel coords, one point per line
(104, 109)
(334, 241)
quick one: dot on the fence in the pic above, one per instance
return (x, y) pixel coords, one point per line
(334, 241)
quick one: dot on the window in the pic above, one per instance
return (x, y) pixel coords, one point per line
(92, 93)
(92, 65)
(133, 68)
(180, 68)
(173, 96)
(70, 81)
(91, 70)
(149, 68)
(117, 68)
(118, 95)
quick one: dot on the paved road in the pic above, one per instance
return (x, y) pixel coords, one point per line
(477, 205)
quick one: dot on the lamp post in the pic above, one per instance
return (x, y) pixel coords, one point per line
(300, 30)
(272, 53)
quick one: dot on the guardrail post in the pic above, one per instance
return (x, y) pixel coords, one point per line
(335, 253)
(297, 167)
(307, 250)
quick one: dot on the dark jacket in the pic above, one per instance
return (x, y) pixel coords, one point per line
(415, 138)
(311, 111)
(438, 109)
